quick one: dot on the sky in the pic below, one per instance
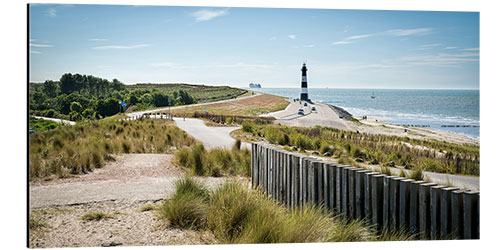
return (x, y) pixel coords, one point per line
(235, 46)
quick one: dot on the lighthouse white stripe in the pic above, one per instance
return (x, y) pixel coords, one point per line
(304, 90)
(304, 79)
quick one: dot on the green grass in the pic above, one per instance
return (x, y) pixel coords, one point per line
(79, 149)
(147, 208)
(215, 162)
(201, 93)
(428, 155)
(39, 125)
(96, 216)
(188, 206)
(36, 224)
(238, 215)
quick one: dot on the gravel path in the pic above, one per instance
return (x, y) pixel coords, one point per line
(120, 189)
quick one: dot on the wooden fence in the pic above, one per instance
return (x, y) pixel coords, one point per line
(425, 209)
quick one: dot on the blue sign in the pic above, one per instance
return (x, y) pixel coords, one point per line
(124, 104)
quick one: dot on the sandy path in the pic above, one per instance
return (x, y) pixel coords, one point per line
(132, 177)
(120, 189)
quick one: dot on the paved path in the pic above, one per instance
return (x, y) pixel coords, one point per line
(211, 137)
(56, 120)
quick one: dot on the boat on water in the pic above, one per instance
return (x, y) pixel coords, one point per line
(254, 85)
(373, 95)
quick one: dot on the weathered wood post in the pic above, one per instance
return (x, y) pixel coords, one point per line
(338, 185)
(424, 209)
(295, 180)
(331, 186)
(360, 193)
(289, 179)
(446, 229)
(457, 214)
(368, 196)
(319, 183)
(386, 201)
(394, 202)
(305, 179)
(351, 172)
(435, 211)
(345, 190)
(471, 215)
(404, 203)
(414, 206)
(253, 163)
(377, 199)
(326, 185)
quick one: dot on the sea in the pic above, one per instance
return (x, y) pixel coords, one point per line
(456, 111)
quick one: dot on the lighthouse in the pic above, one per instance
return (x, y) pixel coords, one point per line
(303, 95)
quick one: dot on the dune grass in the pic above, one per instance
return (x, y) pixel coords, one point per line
(238, 215)
(79, 149)
(96, 216)
(215, 162)
(427, 155)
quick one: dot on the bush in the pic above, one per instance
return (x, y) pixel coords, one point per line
(187, 208)
(247, 127)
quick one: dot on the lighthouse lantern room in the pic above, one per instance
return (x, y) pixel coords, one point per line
(303, 95)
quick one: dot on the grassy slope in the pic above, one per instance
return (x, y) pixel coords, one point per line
(252, 106)
(78, 149)
(201, 93)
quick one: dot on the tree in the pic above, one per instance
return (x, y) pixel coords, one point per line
(50, 88)
(160, 99)
(185, 98)
(76, 107)
(67, 83)
(63, 104)
(107, 107)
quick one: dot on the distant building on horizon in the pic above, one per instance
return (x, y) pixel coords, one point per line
(254, 85)
(304, 96)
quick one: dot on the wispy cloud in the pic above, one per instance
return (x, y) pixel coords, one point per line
(273, 38)
(292, 36)
(342, 42)
(431, 45)
(51, 12)
(409, 32)
(309, 46)
(450, 47)
(122, 46)
(163, 64)
(206, 15)
(348, 40)
(471, 49)
(394, 32)
(98, 39)
(441, 59)
(40, 45)
(359, 36)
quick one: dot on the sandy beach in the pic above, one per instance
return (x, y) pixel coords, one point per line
(328, 116)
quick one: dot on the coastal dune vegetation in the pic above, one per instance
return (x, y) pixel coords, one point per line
(350, 146)
(215, 162)
(81, 148)
(236, 214)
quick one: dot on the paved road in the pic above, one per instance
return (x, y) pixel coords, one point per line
(211, 137)
(56, 120)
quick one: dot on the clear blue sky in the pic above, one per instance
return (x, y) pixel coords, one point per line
(236, 46)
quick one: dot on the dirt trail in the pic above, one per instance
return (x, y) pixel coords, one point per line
(120, 189)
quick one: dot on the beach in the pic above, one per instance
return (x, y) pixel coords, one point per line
(328, 116)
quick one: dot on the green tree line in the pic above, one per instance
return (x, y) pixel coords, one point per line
(77, 97)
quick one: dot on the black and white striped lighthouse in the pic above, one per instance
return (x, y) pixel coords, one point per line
(303, 95)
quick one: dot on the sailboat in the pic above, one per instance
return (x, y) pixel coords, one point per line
(373, 95)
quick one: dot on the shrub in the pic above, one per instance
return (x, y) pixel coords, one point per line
(188, 206)
(97, 216)
(247, 127)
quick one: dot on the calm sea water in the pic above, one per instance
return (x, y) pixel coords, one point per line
(433, 108)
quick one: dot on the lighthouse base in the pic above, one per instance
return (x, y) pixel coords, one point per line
(304, 97)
